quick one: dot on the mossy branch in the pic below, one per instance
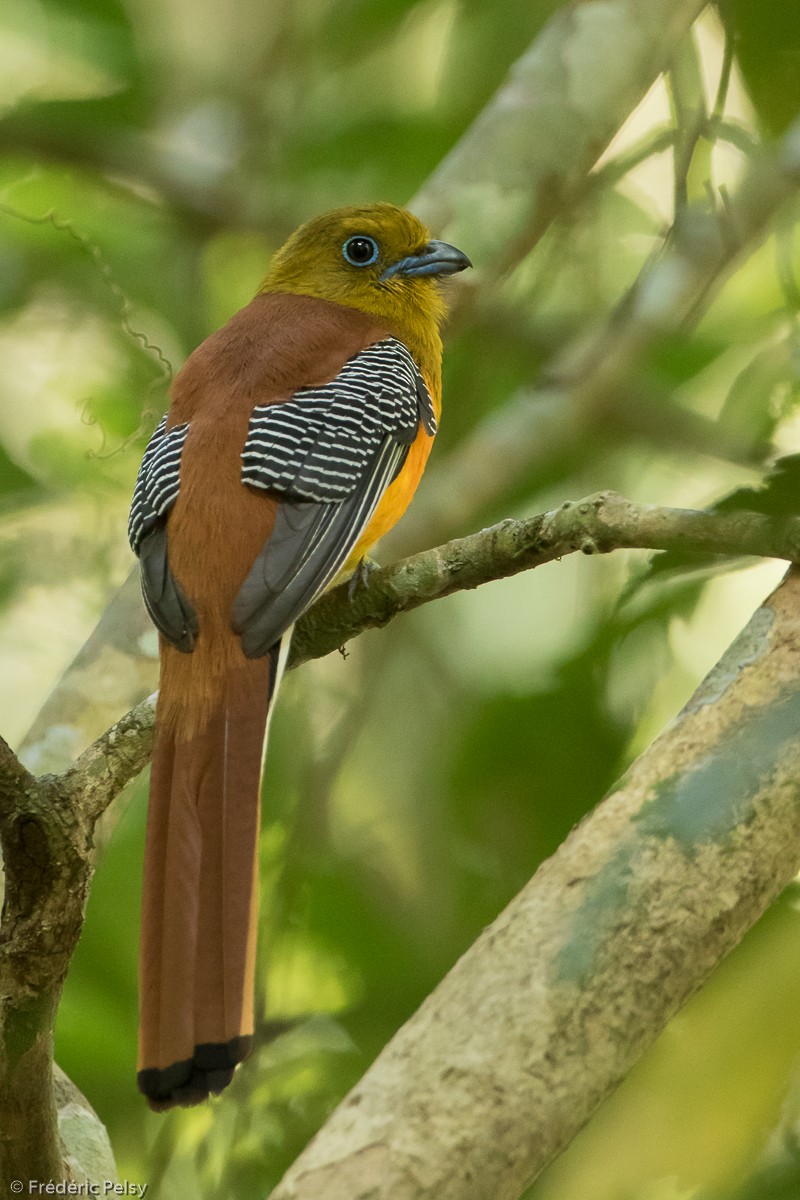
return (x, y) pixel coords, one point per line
(594, 525)
(545, 1014)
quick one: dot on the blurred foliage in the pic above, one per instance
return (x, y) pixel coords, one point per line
(767, 40)
(151, 157)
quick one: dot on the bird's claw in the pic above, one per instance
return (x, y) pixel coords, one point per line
(360, 576)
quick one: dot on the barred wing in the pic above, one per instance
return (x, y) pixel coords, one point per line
(156, 488)
(317, 445)
(331, 452)
(154, 494)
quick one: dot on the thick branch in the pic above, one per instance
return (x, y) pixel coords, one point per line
(545, 1014)
(46, 849)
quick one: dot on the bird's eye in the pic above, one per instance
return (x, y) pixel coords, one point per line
(360, 251)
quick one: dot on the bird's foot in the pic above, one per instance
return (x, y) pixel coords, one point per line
(360, 576)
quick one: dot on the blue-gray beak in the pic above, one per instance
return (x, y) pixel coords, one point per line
(437, 258)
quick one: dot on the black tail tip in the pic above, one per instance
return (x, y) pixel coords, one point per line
(193, 1080)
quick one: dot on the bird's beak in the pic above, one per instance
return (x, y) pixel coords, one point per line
(437, 258)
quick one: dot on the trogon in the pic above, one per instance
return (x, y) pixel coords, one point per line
(296, 436)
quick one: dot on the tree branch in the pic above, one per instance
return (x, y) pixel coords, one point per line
(46, 851)
(544, 1015)
(110, 763)
(596, 525)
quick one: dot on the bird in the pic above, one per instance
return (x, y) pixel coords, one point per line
(295, 438)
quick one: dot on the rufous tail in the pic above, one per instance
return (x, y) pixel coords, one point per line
(200, 891)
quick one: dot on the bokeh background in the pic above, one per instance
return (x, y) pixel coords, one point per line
(152, 156)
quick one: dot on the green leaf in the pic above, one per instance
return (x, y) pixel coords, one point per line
(767, 39)
(761, 393)
(14, 482)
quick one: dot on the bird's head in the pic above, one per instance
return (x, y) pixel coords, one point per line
(377, 258)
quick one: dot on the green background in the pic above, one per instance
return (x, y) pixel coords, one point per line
(151, 158)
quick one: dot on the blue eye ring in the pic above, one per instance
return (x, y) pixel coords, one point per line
(360, 250)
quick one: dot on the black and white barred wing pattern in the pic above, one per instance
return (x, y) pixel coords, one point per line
(317, 445)
(156, 488)
(154, 494)
(331, 452)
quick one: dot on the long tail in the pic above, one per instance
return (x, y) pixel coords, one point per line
(200, 897)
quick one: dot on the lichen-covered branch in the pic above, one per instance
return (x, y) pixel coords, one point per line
(545, 1014)
(597, 524)
(110, 763)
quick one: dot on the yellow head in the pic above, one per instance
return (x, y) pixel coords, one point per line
(379, 259)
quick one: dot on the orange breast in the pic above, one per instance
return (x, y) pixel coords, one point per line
(400, 493)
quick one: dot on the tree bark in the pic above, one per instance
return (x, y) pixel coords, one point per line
(508, 1058)
(46, 853)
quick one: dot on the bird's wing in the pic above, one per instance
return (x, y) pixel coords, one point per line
(330, 453)
(154, 494)
(156, 488)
